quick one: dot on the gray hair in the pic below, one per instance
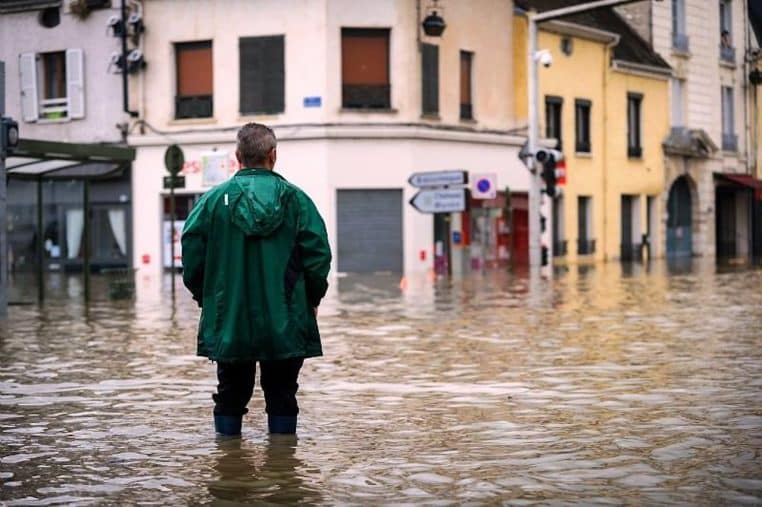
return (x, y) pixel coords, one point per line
(254, 143)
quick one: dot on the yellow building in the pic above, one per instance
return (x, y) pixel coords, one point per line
(605, 100)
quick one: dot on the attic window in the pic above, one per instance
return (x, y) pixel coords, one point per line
(50, 17)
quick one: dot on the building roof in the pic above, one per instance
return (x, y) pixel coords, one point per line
(631, 48)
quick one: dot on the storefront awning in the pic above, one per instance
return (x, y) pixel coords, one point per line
(745, 180)
(35, 159)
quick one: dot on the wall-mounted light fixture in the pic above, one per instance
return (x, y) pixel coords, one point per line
(434, 24)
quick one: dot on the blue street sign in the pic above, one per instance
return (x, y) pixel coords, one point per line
(313, 101)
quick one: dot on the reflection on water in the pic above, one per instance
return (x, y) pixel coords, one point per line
(613, 384)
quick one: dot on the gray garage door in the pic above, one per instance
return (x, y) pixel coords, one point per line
(369, 230)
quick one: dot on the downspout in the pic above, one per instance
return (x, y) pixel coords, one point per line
(746, 101)
(606, 68)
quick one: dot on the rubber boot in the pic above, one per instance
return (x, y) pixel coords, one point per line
(283, 424)
(228, 425)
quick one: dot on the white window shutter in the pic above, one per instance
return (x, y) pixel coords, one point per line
(75, 83)
(30, 104)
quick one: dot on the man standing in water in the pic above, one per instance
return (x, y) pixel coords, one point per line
(256, 258)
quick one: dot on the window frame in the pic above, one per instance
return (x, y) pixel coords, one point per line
(466, 108)
(727, 107)
(554, 102)
(635, 132)
(430, 80)
(188, 101)
(246, 94)
(354, 96)
(582, 111)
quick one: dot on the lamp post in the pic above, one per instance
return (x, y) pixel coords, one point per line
(535, 196)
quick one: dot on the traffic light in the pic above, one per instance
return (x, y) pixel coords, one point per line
(549, 160)
(9, 135)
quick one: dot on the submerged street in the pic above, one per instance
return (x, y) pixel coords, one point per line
(605, 385)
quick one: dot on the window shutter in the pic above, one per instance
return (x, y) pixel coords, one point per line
(262, 74)
(75, 83)
(430, 78)
(30, 105)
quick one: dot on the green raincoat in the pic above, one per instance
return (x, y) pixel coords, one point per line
(256, 258)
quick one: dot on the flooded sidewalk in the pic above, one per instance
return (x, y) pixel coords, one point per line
(605, 385)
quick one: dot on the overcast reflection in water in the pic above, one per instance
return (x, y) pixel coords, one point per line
(606, 385)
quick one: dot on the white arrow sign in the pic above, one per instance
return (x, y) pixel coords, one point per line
(446, 200)
(438, 179)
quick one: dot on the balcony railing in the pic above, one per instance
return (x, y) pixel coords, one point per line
(53, 109)
(728, 54)
(729, 142)
(585, 246)
(559, 248)
(680, 42)
(366, 96)
(196, 106)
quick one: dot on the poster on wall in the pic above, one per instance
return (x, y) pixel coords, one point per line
(214, 168)
(166, 245)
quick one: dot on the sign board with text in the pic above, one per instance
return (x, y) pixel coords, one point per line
(440, 200)
(438, 179)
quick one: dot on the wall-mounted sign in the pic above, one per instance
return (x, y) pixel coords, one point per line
(440, 200)
(313, 101)
(214, 168)
(484, 186)
(438, 179)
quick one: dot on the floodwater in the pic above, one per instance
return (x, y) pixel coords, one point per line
(602, 386)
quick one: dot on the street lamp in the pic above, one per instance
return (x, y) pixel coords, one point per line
(434, 24)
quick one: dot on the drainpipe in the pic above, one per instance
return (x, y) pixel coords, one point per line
(606, 68)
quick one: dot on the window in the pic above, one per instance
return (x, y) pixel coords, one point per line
(729, 138)
(582, 125)
(553, 107)
(261, 71)
(727, 52)
(52, 85)
(194, 80)
(559, 243)
(678, 94)
(365, 68)
(430, 79)
(679, 39)
(585, 243)
(466, 83)
(634, 149)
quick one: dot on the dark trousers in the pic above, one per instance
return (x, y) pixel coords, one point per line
(277, 378)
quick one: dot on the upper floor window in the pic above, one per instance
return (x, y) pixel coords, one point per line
(553, 106)
(729, 138)
(466, 83)
(52, 85)
(634, 147)
(194, 80)
(679, 37)
(430, 79)
(582, 125)
(365, 68)
(727, 51)
(677, 100)
(261, 71)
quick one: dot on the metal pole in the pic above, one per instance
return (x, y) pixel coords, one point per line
(172, 234)
(534, 173)
(86, 238)
(40, 257)
(3, 209)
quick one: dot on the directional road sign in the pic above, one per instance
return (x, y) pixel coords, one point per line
(438, 179)
(440, 200)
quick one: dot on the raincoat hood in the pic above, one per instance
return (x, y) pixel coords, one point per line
(257, 198)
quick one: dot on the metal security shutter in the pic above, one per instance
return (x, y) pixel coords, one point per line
(262, 71)
(369, 230)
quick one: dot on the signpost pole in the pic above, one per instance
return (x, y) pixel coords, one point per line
(173, 160)
(172, 235)
(3, 209)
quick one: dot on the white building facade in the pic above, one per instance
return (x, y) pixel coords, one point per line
(359, 98)
(712, 192)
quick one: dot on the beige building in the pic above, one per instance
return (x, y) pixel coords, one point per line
(360, 99)
(712, 194)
